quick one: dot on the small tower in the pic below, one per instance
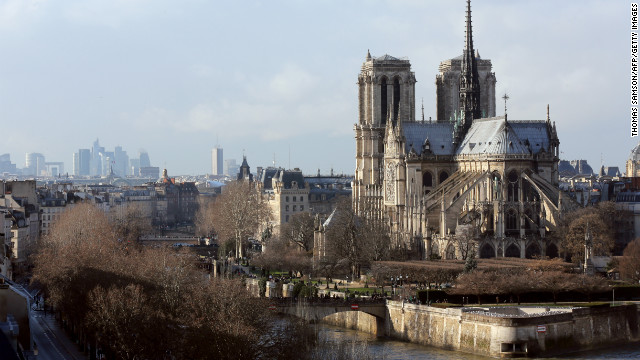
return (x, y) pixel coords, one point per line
(245, 171)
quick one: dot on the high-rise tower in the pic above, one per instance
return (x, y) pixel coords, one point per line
(217, 161)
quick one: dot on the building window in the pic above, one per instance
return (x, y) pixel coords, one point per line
(294, 207)
(301, 207)
(286, 208)
(294, 199)
(286, 199)
(286, 219)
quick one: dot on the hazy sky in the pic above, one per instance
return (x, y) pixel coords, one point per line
(278, 78)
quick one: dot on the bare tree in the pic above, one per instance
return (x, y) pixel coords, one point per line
(204, 218)
(599, 219)
(554, 282)
(132, 222)
(629, 263)
(299, 231)
(238, 214)
(477, 283)
(347, 238)
(465, 239)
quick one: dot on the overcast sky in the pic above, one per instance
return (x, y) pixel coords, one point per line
(277, 79)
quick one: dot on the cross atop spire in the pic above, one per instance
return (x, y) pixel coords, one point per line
(505, 97)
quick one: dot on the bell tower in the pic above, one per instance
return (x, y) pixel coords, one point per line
(386, 92)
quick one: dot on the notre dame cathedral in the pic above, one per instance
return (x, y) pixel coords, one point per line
(466, 183)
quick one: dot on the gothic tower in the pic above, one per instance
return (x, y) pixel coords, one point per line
(448, 97)
(386, 92)
(469, 86)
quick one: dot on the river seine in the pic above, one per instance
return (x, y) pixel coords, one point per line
(397, 350)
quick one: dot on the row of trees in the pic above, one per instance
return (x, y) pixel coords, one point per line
(148, 303)
(519, 282)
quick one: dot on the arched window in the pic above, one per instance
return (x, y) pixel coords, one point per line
(396, 98)
(512, 220)
(512, 190)
(486, 251)
(383, 101)
(451, 252)
(532, 251)
(443, 176)
(427, 179)
(552, 251)
(512, 251)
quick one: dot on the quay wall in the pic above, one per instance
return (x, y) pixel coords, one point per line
(520, 331)
(531, 336)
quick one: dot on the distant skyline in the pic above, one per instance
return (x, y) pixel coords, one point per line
(277, 79)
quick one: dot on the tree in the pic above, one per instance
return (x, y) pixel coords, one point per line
(629, 263)
(204, 218)
(464, 238)
(471, 263)
(554, 282)
(148, 303)
(599, 219)
(347, 239)
(131, 222)
(477, 283)
(237, 214)
(590, 284)
(299, 231)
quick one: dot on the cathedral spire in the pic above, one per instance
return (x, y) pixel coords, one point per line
(469, 82)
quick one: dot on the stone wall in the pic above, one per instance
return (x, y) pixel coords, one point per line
(355, 320)
(544, 335)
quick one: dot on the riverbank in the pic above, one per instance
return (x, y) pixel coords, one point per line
(500, 331)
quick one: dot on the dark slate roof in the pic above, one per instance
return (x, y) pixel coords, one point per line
(287, 177)
(566, 169)
(386, 57)
(492, 136)
(266, 176)
(535, 131)
(439, 135)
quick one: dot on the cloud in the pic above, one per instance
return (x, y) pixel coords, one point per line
(112, 13)
(17, 14)
(292, 102)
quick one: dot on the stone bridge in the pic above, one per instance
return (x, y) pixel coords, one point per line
(316, 310)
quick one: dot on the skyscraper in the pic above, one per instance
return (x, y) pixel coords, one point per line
(82, 162)
(34, 164)
(144, 159)
(217, 161)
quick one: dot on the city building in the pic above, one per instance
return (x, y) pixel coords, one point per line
(82, 162)
(285, 191)
(217, 161)
(231, 167)
(493, 175)
(34, 164)
(6, 166)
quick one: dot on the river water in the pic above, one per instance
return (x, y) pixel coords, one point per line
(397, 350)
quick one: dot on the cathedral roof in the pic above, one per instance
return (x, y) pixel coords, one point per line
(439, 134)
(492, 136)
(635, 153)
(535, 132)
